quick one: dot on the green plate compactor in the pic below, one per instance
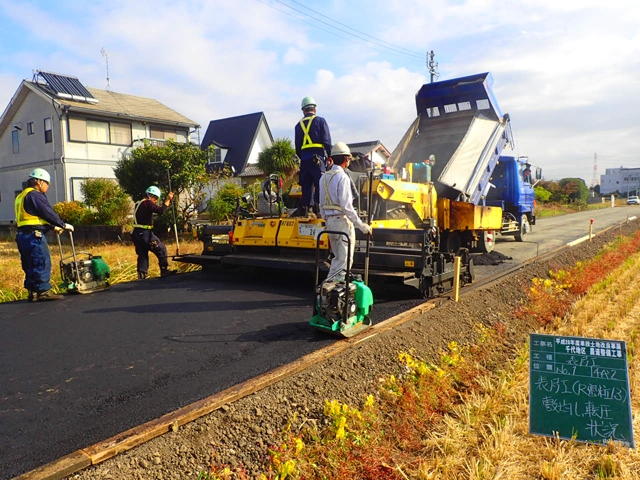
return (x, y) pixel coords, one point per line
(83, 272)
(341, 308)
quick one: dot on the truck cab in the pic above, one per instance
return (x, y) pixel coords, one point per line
(512, 190)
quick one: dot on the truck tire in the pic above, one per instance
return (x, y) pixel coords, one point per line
(525, 228)
(487, 241)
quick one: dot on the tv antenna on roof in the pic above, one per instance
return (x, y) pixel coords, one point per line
(106, 54)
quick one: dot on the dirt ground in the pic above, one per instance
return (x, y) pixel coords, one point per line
(239, 434)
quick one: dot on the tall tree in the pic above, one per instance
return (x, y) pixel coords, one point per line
(575, 189)
(183, 163)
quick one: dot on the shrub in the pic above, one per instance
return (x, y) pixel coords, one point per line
(71, 212)
(109, 203)
(223, 204)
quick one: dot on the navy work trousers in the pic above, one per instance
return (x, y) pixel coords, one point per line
(36, 260)
(309, 177)
(146, 241)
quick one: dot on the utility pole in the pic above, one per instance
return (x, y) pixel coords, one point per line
(432, 66)
(595, 180)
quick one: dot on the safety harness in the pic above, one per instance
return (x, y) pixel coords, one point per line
(24, 218)
(328, 176)
(305, 125)
(135, 216)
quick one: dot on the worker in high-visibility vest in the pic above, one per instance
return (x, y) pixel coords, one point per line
(336, 205)
(34, 218)
(313, 144)
(144, 240)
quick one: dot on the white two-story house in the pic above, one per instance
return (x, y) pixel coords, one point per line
(73, 132)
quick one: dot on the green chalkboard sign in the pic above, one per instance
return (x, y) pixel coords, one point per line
(579, 388)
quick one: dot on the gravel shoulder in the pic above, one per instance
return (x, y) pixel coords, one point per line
(240, 434)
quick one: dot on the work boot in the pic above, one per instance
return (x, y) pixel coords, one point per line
(310, 213)
(142, 276)
(165, 272)
(48, 296)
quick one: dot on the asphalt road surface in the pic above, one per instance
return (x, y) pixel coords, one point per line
(80, 370)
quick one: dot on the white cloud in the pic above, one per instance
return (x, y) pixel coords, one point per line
(566, 71)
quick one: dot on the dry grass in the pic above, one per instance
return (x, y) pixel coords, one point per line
(120, 258)
(487, 436)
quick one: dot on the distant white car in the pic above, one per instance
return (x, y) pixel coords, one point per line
(633, 200)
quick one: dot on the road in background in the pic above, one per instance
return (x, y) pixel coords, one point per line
(554, 232)
(80, 370)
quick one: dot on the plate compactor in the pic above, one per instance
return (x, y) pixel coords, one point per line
(342, 307)
(83, 272)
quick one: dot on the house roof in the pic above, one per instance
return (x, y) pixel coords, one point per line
(237, 134)
(367, 147)
(122, 104)
(252, 171)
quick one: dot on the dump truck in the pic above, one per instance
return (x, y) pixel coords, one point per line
(460, 134)
(423, 212)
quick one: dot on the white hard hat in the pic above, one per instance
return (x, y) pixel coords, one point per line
(340, 148)
(307, 102)
(153, 190)
(40, 174)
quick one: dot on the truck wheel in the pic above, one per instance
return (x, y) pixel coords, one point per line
(525, 228)
(487, 241)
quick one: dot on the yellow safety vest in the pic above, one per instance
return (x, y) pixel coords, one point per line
(135, 217)
(23, 218)
(326, 180)
(305, 125)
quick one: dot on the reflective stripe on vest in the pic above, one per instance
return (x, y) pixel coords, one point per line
(305, 125)
(135, 217)
(24, 218)
(327, 177)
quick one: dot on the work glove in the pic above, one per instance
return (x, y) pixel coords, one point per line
(366, 229)
(68, 226)
(58, 230)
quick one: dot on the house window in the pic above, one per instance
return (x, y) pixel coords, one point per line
(162, 133)
(15, 140)
(48, 130)
(120, 133)
(96, 131)
(30, 128)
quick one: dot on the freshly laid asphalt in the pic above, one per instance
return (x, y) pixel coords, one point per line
(80, 370)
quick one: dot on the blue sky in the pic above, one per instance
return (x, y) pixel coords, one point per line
(567, 71)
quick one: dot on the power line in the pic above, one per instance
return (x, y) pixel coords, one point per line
(368, 44)
(374, 39)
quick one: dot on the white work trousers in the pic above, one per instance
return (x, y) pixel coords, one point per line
(339, 245)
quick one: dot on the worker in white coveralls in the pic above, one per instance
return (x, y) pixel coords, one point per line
(336, 204)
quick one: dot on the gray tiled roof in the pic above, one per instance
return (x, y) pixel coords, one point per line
(251, 171)
(365, 147)
(125, 105)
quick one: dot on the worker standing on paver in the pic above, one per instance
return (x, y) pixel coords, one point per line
(336, 204)
(144, 239)
(34, 218)
(313, 144)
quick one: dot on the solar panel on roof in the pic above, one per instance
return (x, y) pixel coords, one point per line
(65, 85)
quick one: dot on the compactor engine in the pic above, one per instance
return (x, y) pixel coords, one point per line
(332, 297)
